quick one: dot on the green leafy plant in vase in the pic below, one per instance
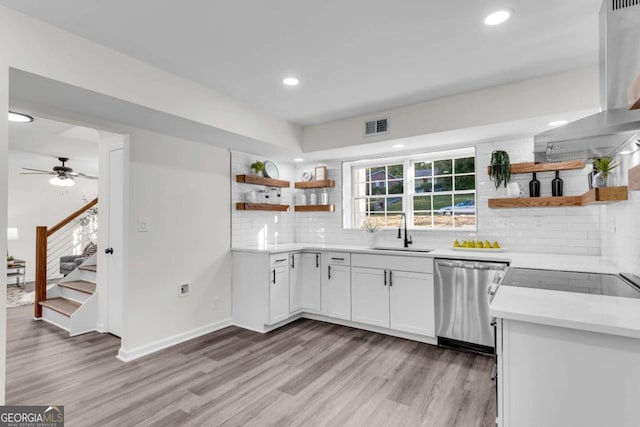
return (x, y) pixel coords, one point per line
(257, 167)
(500, 168)
(10, 260)
(604, 176)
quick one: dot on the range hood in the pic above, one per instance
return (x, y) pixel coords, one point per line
(610, 131)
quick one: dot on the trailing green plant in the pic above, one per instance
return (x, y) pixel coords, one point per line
(604, 164)
(10, 258)
(500, 168)
(257, 166)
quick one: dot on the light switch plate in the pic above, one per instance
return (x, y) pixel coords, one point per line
(143, 225)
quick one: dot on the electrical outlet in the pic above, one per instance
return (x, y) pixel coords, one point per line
(184, 289)
(216, 302)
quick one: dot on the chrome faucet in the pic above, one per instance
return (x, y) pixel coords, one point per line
(407, 240)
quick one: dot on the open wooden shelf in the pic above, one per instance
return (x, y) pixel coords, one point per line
(315, 208)
(261, 207)
(595, 196)
(530, 167)
(261, 180)
(634, 178)
(636, 106)
(326, 183)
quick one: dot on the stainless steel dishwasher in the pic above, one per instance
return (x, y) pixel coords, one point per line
(462, 303)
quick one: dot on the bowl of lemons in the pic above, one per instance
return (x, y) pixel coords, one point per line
(475, 245)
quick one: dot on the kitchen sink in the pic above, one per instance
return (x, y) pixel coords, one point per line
(403, 249)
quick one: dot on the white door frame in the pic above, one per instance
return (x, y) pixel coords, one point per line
(110, 142)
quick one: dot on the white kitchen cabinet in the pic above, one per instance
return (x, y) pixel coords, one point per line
(304, 283)
(369, 296)
(279, 291)
(557, 377)
(336, 286)
(296, 283)
(411, 302)
(311, 282)
(385, 294)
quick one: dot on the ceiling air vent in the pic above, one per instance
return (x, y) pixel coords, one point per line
(376, 127)
(623, 4)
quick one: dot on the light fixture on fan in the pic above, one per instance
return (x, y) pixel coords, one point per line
(62, 181)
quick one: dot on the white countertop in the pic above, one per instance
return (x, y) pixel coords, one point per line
(587, 312)
(584, 263)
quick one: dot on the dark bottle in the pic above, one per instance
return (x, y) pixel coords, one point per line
(556, 185)
(534, 187)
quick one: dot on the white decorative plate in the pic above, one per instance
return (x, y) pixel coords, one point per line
(480, 249)
(307, 176)
(271, 170)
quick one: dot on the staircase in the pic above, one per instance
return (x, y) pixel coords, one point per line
(72, 304)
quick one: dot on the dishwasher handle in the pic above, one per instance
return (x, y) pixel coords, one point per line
(472, 266)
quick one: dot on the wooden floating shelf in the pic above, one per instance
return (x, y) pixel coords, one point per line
(261, 180)
(636, 106)
(634, 178)
(315, 208)
(530, 167)
(326, 183)
(261, 207)
(595, 196)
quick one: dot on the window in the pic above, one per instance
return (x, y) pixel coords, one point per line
(436, 191)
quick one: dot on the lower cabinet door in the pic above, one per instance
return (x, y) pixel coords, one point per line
(296, 283)
(310, 282)
(336, 289)
(370, 296)
(279, 294)
(412, 305)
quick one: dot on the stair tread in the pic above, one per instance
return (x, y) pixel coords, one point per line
(80, 286)
(89, 267)
(61, 305)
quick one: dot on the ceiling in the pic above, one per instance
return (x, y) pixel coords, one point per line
(352, 57)
(49, 139)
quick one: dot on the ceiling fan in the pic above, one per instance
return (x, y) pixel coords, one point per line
(63, 175)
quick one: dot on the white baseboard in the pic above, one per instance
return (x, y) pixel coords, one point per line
(144, 350)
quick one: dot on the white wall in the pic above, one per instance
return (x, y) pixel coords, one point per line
(33, 202)
(4, 164)
(251, 228)
(182, 188)
(570, 91)
(620, 226)
(548, 230)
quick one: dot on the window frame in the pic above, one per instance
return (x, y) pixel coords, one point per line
(349, 169)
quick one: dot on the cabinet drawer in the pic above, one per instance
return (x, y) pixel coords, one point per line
(337, 258)
(277, 260)
(393, 262)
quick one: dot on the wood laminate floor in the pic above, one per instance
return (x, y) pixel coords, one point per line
(308, 373)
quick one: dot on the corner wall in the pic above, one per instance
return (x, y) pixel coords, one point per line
(182, 188)
(4, 164)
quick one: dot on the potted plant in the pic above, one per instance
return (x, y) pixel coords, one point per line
(500, 168)
(10, 260)
(603, 167)
(370, 226)
(257, 167)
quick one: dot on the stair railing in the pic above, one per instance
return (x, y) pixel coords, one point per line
(43, 233)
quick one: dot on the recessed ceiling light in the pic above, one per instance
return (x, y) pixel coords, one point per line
(19, 117)
(298, 160)
(290, 81)
(497, 17)
(624, 153)
(558, 123)
(398, 146)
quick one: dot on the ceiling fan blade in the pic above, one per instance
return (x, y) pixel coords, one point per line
(34, 173)
(38, 170)
(84, 175)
